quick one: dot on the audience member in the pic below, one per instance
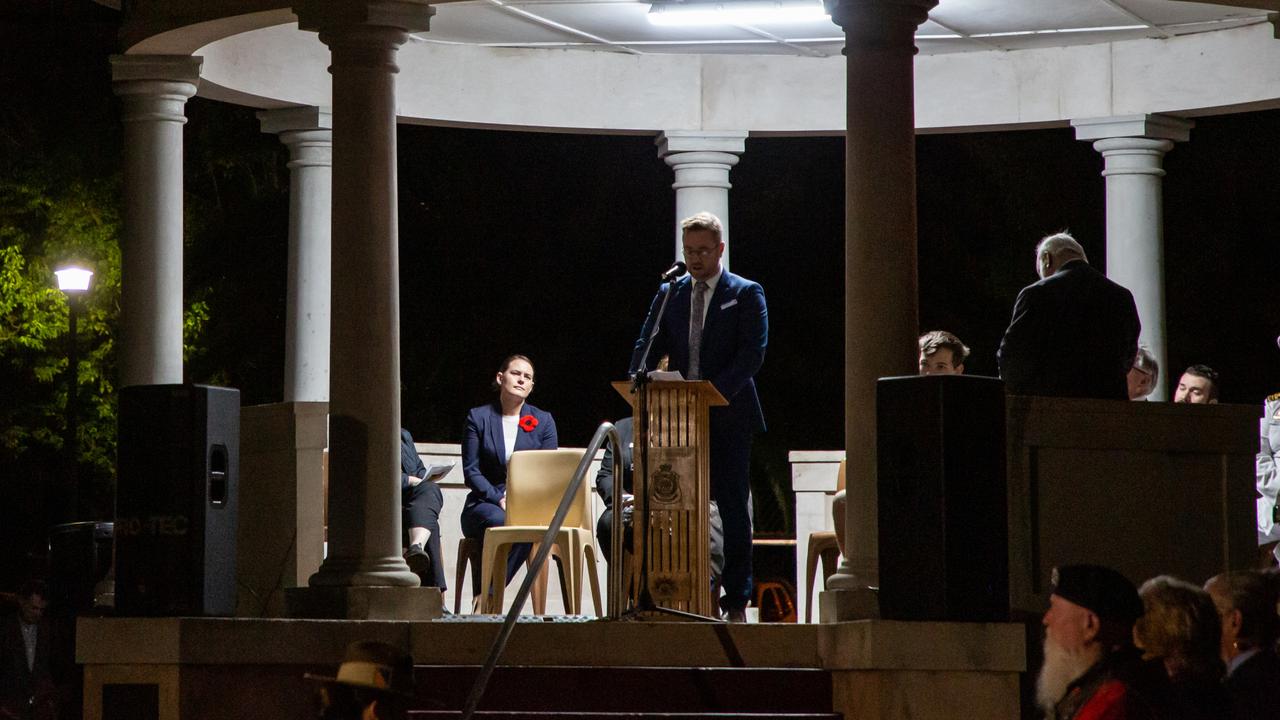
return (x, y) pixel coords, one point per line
(495, 431)
(1268, 479)
(1074, 333)
(605, 487)
(1144, 374)
(420, 503)
(1180, 628)
(1246, 602)
(1198, 386)
(942, 353)
(27, 687)
(1091, 669)
(374, 682)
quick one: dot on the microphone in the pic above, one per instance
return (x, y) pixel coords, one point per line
(674, 271)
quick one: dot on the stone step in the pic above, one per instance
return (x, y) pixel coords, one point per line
(639, 691)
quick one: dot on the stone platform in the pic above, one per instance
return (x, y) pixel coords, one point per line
(214, 668)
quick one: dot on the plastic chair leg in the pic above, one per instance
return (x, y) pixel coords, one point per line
(810, 572)
(579, 570)
(459, 575)
(561, 573)
(468, 557)
(573, 593)
(493, 568)
(592, 569)
(830, 560)
(486, 575)
(537, 593)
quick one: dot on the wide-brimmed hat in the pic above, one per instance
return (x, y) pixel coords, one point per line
(1100, 590)
(374, 665)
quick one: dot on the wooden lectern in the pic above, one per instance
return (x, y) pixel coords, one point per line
(671, 552)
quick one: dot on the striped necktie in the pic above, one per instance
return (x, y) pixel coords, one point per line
(696, 312)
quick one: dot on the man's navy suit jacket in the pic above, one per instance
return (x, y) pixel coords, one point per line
(734, 336)
(1073, 334)
(484, 463)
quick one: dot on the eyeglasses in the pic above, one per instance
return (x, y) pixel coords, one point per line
(700, 252)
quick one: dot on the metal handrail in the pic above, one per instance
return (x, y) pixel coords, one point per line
(606, 431)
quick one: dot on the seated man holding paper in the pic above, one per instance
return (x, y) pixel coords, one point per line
(604, 486)
(420, 503)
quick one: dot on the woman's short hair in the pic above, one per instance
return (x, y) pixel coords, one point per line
(1180, 625)
(703, 221)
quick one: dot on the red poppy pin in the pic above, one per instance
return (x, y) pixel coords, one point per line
(528, 423)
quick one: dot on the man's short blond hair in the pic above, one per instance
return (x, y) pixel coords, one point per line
(703, 221)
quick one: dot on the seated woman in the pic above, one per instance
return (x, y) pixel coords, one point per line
(493, 433)
(1180, 629)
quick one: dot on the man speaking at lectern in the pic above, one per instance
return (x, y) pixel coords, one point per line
(715, 328)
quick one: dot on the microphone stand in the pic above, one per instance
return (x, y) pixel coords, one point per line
(640, 518)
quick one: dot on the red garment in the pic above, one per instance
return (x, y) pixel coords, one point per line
(1110, 702)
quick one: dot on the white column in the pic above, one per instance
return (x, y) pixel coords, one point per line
(364, 387)
(701, 162)
(306, 131)
(881, 303)
(1133, 149)
(153, 90)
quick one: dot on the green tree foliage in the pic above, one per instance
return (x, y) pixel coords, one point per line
(44, 224)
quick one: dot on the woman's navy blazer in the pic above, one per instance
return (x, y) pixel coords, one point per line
(484, 465)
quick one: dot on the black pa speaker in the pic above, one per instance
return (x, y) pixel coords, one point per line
(944, 528)
(175, 528)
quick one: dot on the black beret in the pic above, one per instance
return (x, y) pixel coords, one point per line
(1101, 590)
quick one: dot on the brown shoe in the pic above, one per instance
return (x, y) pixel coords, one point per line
(736, 615)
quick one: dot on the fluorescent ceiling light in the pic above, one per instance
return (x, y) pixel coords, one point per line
(752, 12)
(1059, 31)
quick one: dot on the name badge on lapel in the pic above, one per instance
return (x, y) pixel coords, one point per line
(729, 304)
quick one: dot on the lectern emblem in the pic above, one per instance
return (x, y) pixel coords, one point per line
(666, 485)
(664, 587)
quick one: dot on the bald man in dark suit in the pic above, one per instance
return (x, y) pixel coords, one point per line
(1074, 333)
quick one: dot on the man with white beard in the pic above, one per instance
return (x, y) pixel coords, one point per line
(1091, 669)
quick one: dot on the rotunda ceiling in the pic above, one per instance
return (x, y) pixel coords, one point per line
(602, 66)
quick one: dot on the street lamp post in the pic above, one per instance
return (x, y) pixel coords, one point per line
(73, 282)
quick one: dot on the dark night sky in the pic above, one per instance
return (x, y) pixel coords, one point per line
(549, 244)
